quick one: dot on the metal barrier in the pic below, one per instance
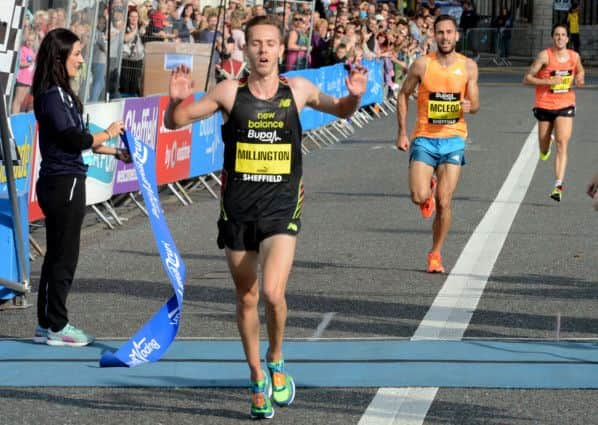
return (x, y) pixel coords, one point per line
(499, 46)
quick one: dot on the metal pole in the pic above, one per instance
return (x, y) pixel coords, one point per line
(6, 136)
(108, 29)
(220, 7)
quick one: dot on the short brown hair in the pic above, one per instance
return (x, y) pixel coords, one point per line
(262, 20)
(442, 18)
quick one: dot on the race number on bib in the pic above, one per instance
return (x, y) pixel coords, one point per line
(262, 158)
(444, 108)
(566, 81)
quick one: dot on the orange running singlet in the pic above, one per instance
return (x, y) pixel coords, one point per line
(557, 96)
(441, 90)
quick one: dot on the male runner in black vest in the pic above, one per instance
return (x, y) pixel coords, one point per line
(262, 189)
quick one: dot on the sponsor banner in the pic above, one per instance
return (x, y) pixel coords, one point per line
(101, 171)
(140, 116)
(151, 342)
(310, 118)
(374, 90)
(22, 124)
(173, 148)
(23, 130)
(207, 148)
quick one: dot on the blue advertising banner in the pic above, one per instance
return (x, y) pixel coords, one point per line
(207, 148)
(374, 90)
(151, 342)
(23, 129)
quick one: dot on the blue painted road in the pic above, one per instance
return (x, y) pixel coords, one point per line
(324, 363)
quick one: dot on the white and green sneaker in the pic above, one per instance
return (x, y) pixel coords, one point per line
(69, 336)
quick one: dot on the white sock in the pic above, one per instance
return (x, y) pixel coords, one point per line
(558, 183)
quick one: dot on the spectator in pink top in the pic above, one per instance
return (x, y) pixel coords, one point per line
(25, 75)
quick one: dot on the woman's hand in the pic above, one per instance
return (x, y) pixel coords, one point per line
(116, 129)
(123, 155)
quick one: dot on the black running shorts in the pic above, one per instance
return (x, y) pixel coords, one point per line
(247, 236)
(551, 114)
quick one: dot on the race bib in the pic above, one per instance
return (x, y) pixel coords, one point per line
(567, 81)
(444, 108)
(263, 158)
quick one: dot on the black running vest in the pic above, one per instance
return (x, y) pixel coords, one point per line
(262, 172)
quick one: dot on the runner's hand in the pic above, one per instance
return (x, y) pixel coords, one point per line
(579, 80)
(557, 79)
(181, 85)
(402, 142)
(357, 80)
(466, 106)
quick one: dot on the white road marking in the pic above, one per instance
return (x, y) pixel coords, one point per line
(451, 311)
(322, 326)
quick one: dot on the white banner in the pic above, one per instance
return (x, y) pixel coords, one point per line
(562, 5)
(100, 175)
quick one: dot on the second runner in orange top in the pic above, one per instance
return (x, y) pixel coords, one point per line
(560, 95)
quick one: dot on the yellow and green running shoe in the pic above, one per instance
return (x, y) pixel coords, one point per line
(261, 406)
(557, 193)
(283, 385)
(545, 156)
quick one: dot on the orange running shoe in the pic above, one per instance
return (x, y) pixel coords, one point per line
(435, 263)
(428, 207)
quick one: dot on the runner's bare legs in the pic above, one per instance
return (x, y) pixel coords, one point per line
(544, 132)
(277, 253)
(448, 177)
(563, 127)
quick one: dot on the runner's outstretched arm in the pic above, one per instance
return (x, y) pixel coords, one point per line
(181, 87)
(309, 94)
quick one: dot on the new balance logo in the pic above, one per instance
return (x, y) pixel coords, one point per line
(456, 157)
(293, 227)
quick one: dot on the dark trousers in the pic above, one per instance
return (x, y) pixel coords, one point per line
(62, 200)
(574, 41)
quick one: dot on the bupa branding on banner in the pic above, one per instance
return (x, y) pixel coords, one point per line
(140, 116)
(151, 342)
(207, 148)
(173, 149)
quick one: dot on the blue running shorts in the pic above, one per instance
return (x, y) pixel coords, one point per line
(436, 151)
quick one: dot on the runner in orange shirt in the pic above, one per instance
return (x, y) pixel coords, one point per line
(448, 88)
(553, 73)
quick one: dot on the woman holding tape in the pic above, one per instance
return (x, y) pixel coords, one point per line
(60, 189)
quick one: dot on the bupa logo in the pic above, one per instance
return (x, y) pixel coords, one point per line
(284, 103)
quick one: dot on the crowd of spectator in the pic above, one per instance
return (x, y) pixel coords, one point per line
(316, 34)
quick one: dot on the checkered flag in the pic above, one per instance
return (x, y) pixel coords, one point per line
(11, 19)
